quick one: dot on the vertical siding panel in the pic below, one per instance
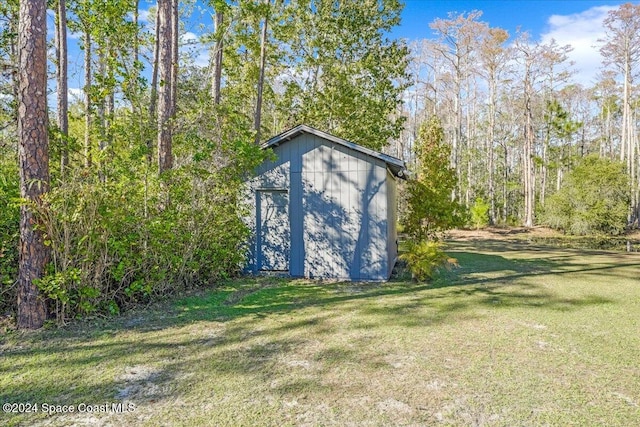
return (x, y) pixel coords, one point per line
(336, 228)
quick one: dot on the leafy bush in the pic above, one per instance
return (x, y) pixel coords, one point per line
(425, 257)
(430, 209)
(479, 213)
(9, 231)
(594, 199)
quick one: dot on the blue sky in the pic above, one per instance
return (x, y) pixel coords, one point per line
(532, 15)
(574, 22)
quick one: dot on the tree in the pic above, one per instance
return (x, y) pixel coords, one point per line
(493, 56)
(218, 50)
(33, 151)
(165, 93)
(8, 64)
(459, 37)
(344, 73)
(62, 77)
(621, 50)
(530, 56)
(430, 209)
(257, 121)
(593, 199)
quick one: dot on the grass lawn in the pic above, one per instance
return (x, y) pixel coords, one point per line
(517, 336)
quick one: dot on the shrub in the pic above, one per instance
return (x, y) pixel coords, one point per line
(479, 213)
(424, 258)
(9, 232)
(594, 199)
(429, 208)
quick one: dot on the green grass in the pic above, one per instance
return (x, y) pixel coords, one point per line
(518, 335)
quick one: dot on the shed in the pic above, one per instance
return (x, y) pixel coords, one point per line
(324, 207)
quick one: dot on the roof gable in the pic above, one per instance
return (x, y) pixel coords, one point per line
(395, 165)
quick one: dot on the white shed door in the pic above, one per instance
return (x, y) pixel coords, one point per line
(274, 234)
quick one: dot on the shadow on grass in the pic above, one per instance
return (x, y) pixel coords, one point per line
(236, 338)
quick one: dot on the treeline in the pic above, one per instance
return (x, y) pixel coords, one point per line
(516, 123)
(132, 188)
(135, 189)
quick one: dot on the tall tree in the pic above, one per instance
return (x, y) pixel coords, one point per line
(33, 157)
(8, 64)
(493, 57)
(84, 14)
(344, 72)
(62, 78)
(218, 50)
(165, 91)
(529, 55)
(459, 37)
(257, 120)
(621, 50)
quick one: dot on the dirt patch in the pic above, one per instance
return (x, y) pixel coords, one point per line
(501, 233)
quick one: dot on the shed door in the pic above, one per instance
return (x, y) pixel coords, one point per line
(274, 235)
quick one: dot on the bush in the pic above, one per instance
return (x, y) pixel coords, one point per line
(479, 214)
(425, 258)
(594, 199)
(114, 245)
(429, 208)
(9, 232)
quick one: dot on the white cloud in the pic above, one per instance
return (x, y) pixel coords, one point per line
(75, 94)
(144, 16)
(199, 52)
(581, 31)
(189, 37)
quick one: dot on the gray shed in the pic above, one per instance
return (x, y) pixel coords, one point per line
(324, 208)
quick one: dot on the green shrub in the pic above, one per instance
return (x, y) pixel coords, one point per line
(424, 258)
(429, 208)
(9, 232)
(594, 199)
(479, 213)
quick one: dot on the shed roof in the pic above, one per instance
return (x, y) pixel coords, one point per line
(395, 165)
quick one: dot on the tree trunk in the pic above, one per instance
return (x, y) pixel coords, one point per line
(62, 72)
(217, 58)
(154, 90)
(528, 150)
(136, 41)
(33, 154)
(165, 56)
(263, 61)
(491, 149)
(87, 97)
(175, 55)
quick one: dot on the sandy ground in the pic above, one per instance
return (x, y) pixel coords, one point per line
(501, 233)
(509, 233)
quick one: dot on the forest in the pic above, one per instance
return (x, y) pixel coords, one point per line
(128, 190)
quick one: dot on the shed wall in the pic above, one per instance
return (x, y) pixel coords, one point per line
(340, 217)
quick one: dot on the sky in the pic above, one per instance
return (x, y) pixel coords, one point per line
(574, 22)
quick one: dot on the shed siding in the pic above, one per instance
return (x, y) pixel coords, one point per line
(392, 222)
(340, 217)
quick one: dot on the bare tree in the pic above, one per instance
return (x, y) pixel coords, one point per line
(493, 57)
(529, 55)
(33, 155)
(621, 50)
(458, 40)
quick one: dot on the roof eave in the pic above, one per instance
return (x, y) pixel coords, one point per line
(396, 165)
